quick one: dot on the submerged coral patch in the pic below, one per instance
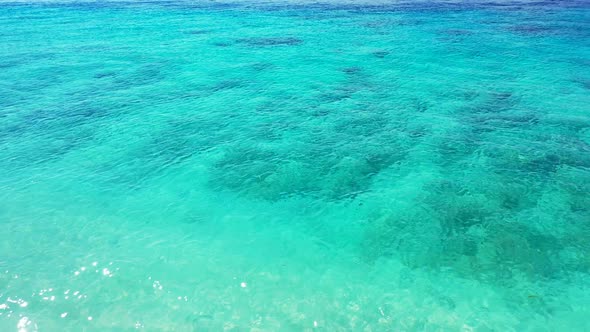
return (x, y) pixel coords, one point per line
(270, 41)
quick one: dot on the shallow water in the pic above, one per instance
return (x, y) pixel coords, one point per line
(180, 166)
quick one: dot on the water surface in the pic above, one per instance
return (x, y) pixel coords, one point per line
(286, 167)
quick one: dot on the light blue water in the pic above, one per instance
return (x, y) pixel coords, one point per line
(265, 167)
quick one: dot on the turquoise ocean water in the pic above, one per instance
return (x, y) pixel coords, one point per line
(202, 166)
